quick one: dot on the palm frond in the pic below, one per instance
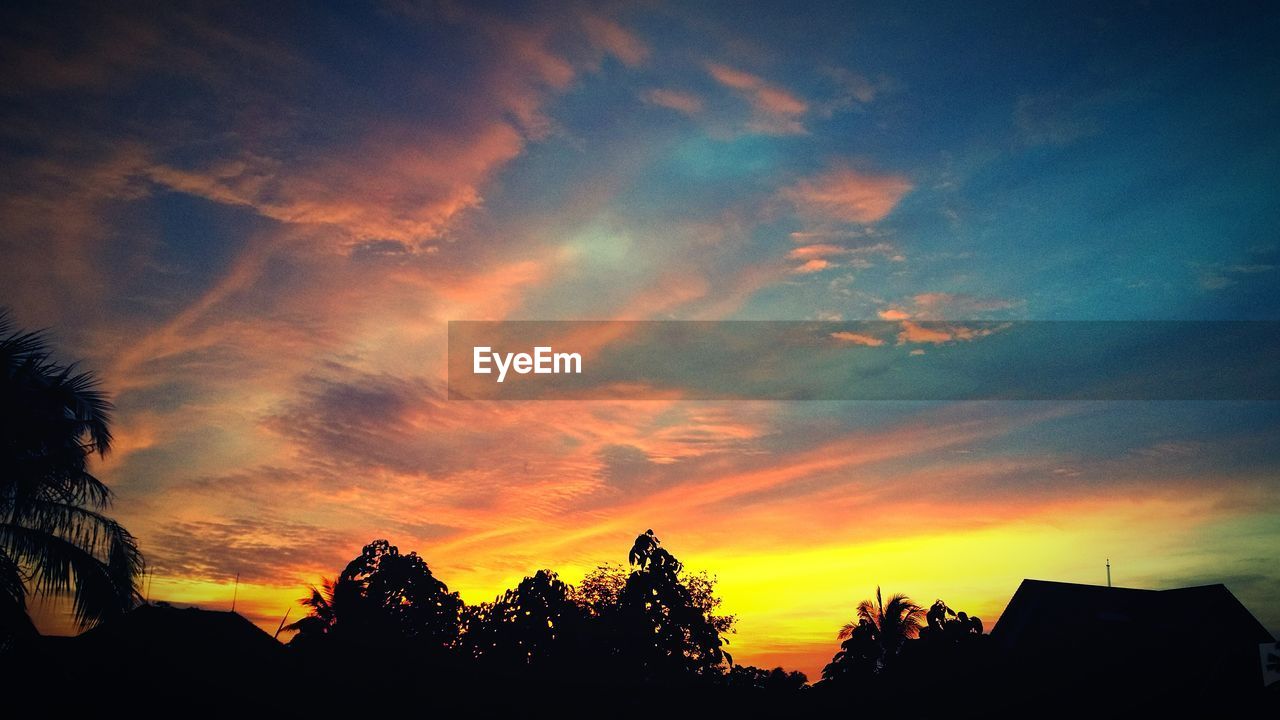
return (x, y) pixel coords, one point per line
(100, 587)
(12, 585)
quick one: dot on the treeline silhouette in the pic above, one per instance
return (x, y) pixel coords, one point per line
(649, 631)
(651, 624)
(387, 635)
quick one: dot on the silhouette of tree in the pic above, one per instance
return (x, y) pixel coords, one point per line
(537, 625)
(877, 636)
(945, 624)
(776, 680)
(54, 538)
(657, 626)
(382, 598)
(598, 593)
(859, 656)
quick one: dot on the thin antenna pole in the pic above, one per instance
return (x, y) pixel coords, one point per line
(1108, 572)
(286, 617)
(235, 593)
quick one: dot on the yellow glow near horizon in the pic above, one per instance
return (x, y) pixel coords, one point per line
(791, 601)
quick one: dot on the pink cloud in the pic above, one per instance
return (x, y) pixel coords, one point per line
(775, 111)
(684, 102)
(398, 183)
(610, 37)
(843, 194)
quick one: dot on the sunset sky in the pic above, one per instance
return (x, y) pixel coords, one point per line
(256, 223)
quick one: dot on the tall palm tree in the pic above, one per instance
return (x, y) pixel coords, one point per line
(889, 624)
(54, 537)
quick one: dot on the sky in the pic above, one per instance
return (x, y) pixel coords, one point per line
(254, 223)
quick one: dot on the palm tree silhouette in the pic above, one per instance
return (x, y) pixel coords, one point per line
(889, 624)
(54, 538)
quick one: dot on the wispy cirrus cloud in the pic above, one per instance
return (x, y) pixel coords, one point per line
(680, 101)
(774, 110)
(948, 306)
(612, 38)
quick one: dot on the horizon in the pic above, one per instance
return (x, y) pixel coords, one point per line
(256, 224)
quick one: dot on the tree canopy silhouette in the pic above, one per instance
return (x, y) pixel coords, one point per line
(658, 626)
(382, 598)
(538, 625)
(54, 538)
(875, 638)
(649, 625)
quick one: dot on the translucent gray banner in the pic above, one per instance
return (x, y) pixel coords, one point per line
(868, 360)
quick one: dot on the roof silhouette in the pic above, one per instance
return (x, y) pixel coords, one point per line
(1198, 636)
(1078, 614)
(163, 630)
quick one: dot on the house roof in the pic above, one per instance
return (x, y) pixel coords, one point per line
(162, 628)
(1048, 614)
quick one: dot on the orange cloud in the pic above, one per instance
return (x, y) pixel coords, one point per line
(915, 333)
(812, 266)
(815, 251)
(858, 338)
(847, 195)
(937, 334)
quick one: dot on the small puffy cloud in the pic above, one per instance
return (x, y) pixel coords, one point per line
(916, 333)
(774, 110)
(812, 266)
(857, 338)
(683, 102)
(844, 194)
